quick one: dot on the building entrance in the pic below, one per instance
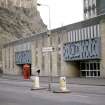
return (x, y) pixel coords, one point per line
(22, 68)
(26, 71)
(90, 69)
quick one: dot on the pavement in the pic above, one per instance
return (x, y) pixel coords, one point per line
(80, 81)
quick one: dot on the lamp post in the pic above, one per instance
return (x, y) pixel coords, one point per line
(49, 42)
(38, 4)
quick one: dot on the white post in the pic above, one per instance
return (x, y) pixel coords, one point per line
(63, 86)
(49, 42)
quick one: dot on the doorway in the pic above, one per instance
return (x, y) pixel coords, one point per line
(21, 68)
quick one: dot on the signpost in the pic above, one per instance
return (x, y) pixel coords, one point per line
(48, 50)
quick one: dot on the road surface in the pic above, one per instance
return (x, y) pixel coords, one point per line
(13, 92)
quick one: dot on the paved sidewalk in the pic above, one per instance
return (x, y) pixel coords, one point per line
(81, 81)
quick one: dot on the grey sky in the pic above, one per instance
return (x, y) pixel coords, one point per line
(63, 12)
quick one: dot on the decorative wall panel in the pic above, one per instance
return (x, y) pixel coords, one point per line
(82, 50)
(23, 57)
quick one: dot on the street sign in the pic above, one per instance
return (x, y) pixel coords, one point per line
(47, 49)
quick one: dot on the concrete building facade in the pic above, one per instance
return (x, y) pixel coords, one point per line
(93, 8)
(78, 51)
(90, 9)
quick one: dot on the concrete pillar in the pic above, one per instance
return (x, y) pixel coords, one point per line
(33, 58)
(14, 58)
(40, 56)
(102, 32)
(45, 58)
(46, 73)
(7, 61)
(40, 60)
(54, 64)
(49, 54)
(3, 60)
(11, 60)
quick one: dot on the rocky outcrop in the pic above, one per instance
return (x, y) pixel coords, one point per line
(16, 23)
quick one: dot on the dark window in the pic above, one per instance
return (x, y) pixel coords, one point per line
(82, 66)
(83, 73)
(91, 66)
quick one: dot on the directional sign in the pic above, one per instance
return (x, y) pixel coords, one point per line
(47, 49)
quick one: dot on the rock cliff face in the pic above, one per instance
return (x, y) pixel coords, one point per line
(17, 22)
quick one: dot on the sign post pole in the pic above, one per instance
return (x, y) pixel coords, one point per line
(49, 50)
